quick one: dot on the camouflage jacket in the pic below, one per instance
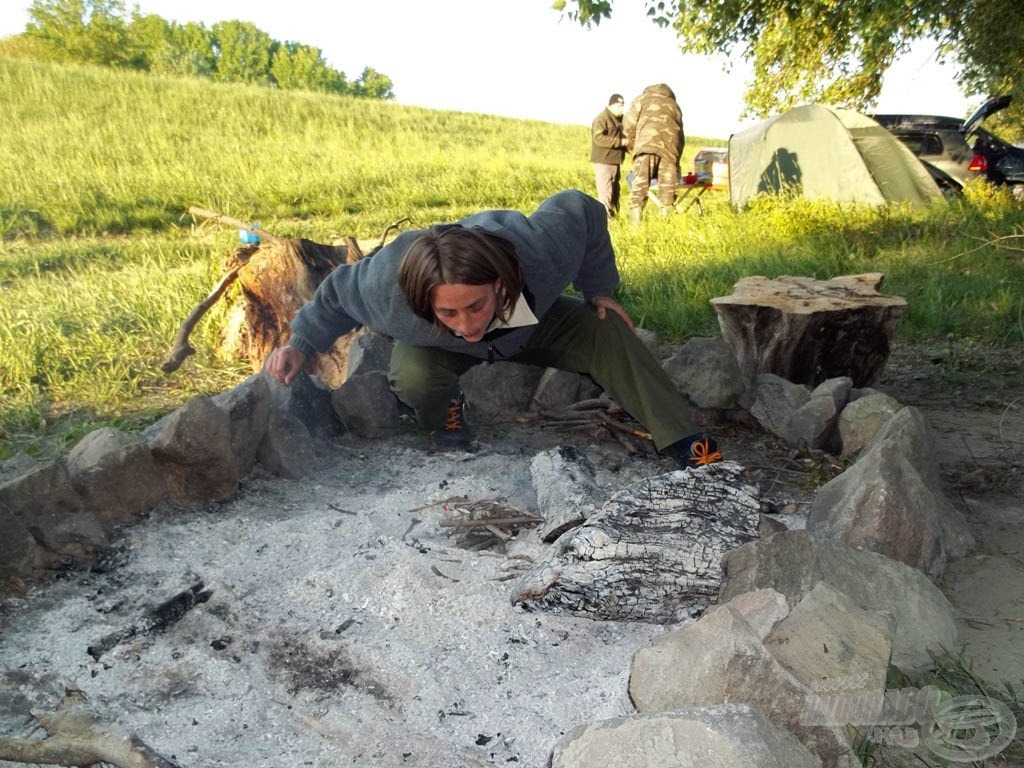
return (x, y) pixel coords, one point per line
(654, 124)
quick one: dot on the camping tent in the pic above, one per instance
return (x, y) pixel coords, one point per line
(826, 152)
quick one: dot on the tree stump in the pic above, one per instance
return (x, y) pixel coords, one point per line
(807, 330)
(276, 279)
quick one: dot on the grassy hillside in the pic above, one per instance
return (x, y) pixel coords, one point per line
(99, 262)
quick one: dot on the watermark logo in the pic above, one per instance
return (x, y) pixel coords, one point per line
(961, 729)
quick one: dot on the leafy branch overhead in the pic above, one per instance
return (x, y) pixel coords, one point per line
(837, 51)
(103, 32)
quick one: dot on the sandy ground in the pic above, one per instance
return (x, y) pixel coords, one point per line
(346, 627)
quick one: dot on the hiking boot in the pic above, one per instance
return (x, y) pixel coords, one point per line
(694, 451)
(455, 433)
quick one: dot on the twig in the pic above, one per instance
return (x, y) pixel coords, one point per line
(437, 572)
(601, 403)
(626, 443)
(181, 347)
(393, 225)
(1002, 418)
(995, 243)
(611, 423)
(449, 500)
(567, 417)
(154, 620)
(574, 423)
(481, 522)
(494, 529)
(220, 217)
(336, 508)
(486, 543)
(778, 469)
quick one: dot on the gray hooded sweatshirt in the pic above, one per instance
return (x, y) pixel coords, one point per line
(564, 242)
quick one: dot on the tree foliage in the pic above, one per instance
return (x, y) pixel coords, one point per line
(102, 32)
(91, 31)
(837, 51)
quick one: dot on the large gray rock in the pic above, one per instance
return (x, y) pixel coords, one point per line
(557, 390)
(651, 553)
(814, 423)
(115, 474)
(48, 507)
(368, 352)
(193, 450)
(651, 340)
(721, 659)
(307, 399)
(18, 464)
(567, 491)
(287, 447)
(18, 550)
(862, 418)
(248, 409)
(762, 609)
(366, 405)
(826, 637)
(794, 562)
(890, 501)
(496, 390)
(775, 402)
(724, 736)
(706, 370)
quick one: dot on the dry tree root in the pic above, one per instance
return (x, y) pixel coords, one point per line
(76, 738)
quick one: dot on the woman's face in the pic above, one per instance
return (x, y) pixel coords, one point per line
(465, 310)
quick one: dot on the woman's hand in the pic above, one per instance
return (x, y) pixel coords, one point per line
(284, 363)
(603, 303)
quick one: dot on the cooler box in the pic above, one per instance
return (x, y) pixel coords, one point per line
(711, 166)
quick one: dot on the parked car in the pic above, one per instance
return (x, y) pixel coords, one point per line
(955, 150)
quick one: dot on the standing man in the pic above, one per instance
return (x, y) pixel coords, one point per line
(607, 151)
(654, 134)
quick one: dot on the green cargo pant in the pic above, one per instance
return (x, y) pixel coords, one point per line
(569, 337)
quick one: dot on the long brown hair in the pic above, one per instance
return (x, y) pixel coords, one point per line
(450, 254)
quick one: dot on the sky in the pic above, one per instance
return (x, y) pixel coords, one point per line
(520, 58)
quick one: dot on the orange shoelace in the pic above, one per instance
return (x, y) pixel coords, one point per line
(703, 455)
(454, 418)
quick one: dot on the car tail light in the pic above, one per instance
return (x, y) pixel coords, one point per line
(978, 163)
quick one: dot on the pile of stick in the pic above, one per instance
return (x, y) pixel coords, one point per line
(484, 524)
(601, 416)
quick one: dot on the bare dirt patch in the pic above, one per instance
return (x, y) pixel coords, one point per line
(973, 398)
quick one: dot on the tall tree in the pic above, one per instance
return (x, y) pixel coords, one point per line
(92, 31)
(243, 52)
(837, 51)
(374, 85)
(294, 65)
(192, 51)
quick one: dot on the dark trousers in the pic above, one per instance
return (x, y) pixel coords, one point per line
(569, 337)
(607, 178)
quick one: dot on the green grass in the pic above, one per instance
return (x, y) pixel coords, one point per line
(983, 706)
(100, 263)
